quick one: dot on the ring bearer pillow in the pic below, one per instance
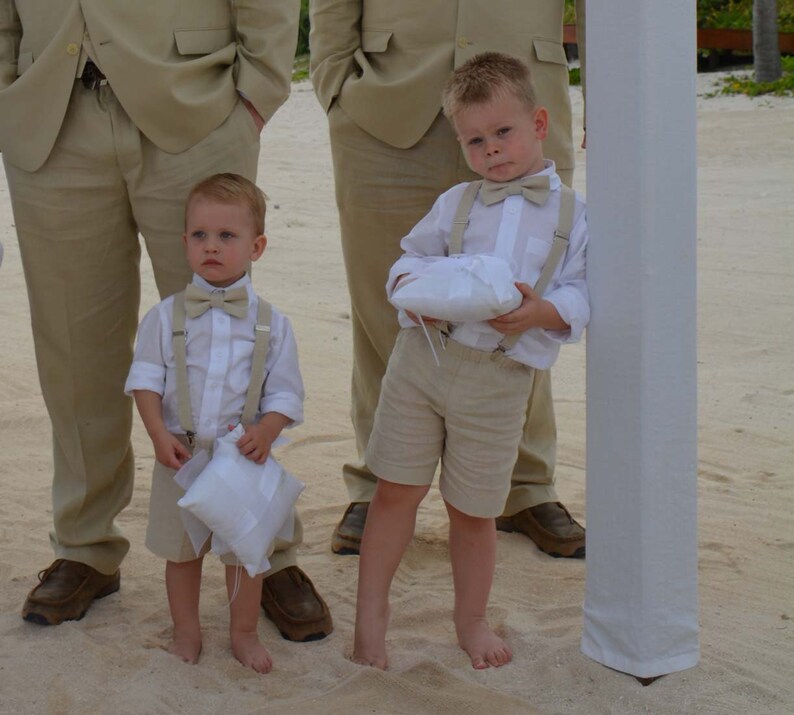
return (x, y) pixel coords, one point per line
(459, 288)
(245, 505)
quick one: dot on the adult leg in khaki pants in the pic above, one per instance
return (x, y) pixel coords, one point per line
(78, 219)
(381, 193)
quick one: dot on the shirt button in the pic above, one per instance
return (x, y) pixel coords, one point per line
(463, 42)
(72, 49)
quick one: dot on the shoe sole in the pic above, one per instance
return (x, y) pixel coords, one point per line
(342, 546)
(42, 620)
(306, 632)
(311, 637)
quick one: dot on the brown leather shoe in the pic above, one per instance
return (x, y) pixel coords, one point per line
(551, 527)
(65, 591)
(347, 535)
(293, 604)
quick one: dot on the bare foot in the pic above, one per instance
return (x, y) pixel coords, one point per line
(186, 644)
(250, 652)
(484, 647)
(369, 642)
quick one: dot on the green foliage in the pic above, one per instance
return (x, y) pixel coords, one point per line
(300, 68)
(569, 18)
(744, 84)
(738, 14)
(303, 30)
(574, 76)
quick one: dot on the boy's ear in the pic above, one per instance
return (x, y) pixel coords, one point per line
(541, 123)
(184, 240)
(260, 243)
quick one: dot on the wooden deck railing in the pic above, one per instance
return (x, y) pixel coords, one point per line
(713, 39)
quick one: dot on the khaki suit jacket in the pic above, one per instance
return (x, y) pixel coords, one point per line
(175, 65)
(386, 62)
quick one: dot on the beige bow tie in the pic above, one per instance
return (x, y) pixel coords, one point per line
(534, 189)
(198, 301)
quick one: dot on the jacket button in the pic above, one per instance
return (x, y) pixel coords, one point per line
(72, 48)
(463, 42)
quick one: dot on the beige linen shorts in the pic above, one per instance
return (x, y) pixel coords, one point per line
(165, 535)
(469, 412)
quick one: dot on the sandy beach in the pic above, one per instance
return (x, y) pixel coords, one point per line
(113, 660)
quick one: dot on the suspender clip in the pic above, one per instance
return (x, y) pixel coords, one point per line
(191, 438)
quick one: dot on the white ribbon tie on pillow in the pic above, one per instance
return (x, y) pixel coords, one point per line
(460, 288)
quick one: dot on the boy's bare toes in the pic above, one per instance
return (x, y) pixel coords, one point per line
(251, 653)
(374, 661)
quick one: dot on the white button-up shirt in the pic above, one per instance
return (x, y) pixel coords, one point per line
(522, 233)
(219, 353)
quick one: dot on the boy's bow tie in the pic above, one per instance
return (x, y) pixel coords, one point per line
(198, 301)
(534, 189)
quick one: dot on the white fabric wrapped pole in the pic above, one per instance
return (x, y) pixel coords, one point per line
(640, 611)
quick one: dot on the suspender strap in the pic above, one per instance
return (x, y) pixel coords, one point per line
(264, 317)
(461, 219)
(558, 248)
(179, 342)
(561, 236)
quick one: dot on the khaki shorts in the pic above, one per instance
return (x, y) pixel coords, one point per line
(165, 535)
(469, 413)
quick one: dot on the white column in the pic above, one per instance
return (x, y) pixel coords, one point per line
(640, 612)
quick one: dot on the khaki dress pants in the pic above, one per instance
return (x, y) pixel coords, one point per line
(381, 193)
(78, 218)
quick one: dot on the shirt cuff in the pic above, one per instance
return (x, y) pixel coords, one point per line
(287, 405)
(145, 376)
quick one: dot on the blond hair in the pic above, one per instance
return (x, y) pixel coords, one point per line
(483, 77)
(231, 189)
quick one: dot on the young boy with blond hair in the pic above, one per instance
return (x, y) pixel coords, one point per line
(469, 410)
(224, 233)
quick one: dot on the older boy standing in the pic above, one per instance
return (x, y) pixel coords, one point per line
(378, 68)
(468, 411)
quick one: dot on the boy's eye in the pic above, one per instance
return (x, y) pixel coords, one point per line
(198, 234)
(226, 235)
(502, 131)
(475, 141)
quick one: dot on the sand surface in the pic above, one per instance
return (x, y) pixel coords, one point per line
(113, 660)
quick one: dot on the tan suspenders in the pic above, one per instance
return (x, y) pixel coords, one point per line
(179, 341)
(558, 247)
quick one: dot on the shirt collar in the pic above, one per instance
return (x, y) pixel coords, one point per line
(204, 285)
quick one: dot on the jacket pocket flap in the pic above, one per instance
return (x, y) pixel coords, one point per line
(24, 61)
(550, 51)
(375, 40)
(202, 41)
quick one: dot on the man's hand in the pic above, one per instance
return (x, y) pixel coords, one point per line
(256, 116)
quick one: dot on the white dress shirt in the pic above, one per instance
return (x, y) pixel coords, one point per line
(520, 232)
(219, 353)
